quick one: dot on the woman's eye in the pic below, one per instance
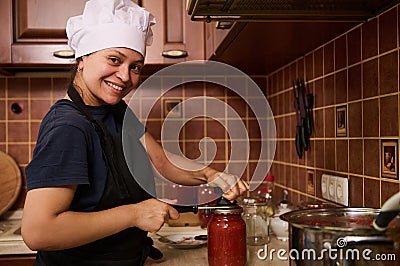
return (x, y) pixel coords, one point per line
(114, 60)
(136, 68)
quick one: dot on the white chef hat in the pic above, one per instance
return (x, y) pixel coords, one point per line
(110, 23)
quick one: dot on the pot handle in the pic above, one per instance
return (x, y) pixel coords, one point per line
(389, 210)
(345, 241)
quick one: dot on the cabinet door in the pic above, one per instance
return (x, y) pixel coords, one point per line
(39, 30)
(5, 31)
(17, 260)
(216, 39)
(174, 31)
(43, 21)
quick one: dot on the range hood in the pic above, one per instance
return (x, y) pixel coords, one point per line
(286, 10)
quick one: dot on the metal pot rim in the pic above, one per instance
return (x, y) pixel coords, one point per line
(294, 218)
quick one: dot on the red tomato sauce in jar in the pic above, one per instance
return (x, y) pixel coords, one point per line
(227, 238)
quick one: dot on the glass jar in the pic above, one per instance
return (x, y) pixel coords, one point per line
(257, 221)
(227, 238)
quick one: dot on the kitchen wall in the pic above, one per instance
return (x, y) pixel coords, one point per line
(36, 92)
(358, 70)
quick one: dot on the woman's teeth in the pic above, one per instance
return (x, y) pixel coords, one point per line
(114, 86)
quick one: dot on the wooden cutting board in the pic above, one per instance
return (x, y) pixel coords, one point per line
(10, 182)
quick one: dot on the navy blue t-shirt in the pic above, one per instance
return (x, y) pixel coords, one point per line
(68, 152)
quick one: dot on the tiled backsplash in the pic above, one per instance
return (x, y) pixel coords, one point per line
(359, 70)
(35, 93)
(18, 131)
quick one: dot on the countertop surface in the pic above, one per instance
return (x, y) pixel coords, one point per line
(198, 256)
(268, 255)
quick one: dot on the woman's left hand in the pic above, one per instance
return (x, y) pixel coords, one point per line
(232, 185)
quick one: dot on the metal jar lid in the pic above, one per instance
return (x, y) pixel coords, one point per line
(255, 201)
(229, 210)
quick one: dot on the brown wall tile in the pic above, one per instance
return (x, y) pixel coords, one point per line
(388, 189)
(342, 156)
(372, 190)
(18, 132)
(354, 80)
(388, 73)
(354, 46)
(308, 68)
(319, 123)
(330, 122)
(18, 87)
(370, 118)
(329, 58)
(319, 93)
(319, 154)
(2, 87)
(356, 188)
(329, 90)
(3, 132)
(3, 110)
(369, 39)
(341, 87)
(356, 156)
(370, 78)
(371, 157)
(354, 119)
(318, 63)
(388, 116)
(388, 30)
(39, 108)
(330, 155)
(340, 53)
(40, 88)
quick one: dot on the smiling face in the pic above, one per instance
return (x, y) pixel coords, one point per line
(108, 75)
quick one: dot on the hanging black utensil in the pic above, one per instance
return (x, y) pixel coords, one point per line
(309, 108)
(298, 141)
(304, 132)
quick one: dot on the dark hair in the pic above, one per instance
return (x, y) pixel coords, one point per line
(74, 68)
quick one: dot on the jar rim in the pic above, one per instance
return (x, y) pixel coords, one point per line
(254, 201)
(232, 210)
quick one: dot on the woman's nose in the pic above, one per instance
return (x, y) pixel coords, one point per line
(123, 73)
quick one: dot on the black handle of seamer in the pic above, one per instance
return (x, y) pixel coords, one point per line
(221, 201)
(182, 209)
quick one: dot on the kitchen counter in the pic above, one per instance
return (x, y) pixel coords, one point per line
(198, 256)
(12, 244)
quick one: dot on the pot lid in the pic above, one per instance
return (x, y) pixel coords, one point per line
(338, 219)
(10, 182)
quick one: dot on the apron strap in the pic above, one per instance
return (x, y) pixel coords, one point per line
(107, 143)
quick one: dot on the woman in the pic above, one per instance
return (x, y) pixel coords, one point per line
(83, 207)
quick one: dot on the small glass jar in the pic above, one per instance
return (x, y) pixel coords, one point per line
(227, 238)
(257, 221)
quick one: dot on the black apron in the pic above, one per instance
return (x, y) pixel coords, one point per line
(130, 246)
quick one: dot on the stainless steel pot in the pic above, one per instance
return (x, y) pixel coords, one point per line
(341, 236)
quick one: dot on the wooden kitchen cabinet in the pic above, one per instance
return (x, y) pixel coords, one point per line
(38, 31)
(17, 260)
(217, 40)
(34, 30)
(213, 38)
(174, 31)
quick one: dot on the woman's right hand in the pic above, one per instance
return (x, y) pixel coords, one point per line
(150, 215)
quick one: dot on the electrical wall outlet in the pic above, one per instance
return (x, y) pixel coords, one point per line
(324, 186)
(342, 190)
(332, 188)
(335, 188)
